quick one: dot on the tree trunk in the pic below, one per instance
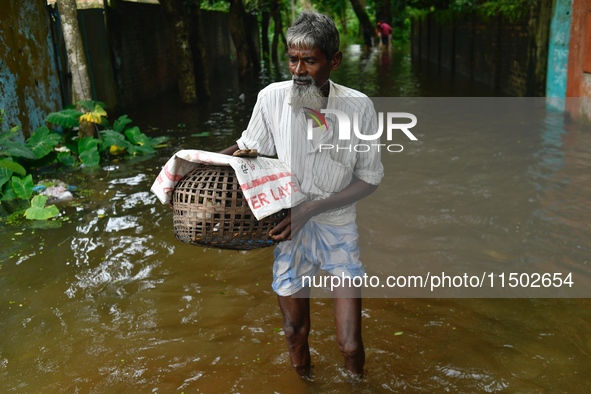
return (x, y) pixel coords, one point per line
(237, 32)
(265, 20)
(384, 10)
(81, 88)
(278, 31)
(201, 74)
(180, 23)
(250, 25)
(397, 14)
(366, 24)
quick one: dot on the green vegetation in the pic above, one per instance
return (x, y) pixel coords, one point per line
(450, 9)
(401, 12)
(345, 19)
(214, 5)
(75, 138)
(510, 9)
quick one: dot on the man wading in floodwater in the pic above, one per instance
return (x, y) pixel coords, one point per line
(320, 233)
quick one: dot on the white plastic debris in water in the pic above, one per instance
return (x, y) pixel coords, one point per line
(57, 193)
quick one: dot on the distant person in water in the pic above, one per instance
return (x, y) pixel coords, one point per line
(319, 233)
(384, 31)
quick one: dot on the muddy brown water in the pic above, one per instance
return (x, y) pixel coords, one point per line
(111, 302)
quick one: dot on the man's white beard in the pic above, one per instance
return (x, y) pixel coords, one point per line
(308, 95)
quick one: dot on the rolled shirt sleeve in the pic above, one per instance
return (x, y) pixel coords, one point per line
(368, 166)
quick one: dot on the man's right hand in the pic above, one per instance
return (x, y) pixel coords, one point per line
(246, 153)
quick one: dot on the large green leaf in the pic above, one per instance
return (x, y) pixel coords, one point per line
(137, 149)
(12, 166)
(115, 142)
(16, 149)
(134, 135)
(90, 105)
(65, 118)
(111, 137)
(87, 143)
(120, 123)
(158, 141)
(8, 193)
(5, 173)
(42, 142)
(90, 158)
(23, 187)
(88, 151)
(138, 138)
(7, 135)
(38, 210)
(66, 159)
(7, 168)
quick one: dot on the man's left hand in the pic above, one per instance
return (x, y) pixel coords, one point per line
(295, 220)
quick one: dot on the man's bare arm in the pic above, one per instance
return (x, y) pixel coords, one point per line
(356, 190)
(234, 151)
(229, 150)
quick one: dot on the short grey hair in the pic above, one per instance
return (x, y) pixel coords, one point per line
(313, 29)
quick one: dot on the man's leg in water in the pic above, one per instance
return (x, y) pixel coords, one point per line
(347, 311)
(296, 325)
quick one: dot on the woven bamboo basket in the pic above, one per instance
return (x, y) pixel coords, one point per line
(209, 209)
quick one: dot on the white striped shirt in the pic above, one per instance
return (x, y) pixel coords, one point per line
(276, 129)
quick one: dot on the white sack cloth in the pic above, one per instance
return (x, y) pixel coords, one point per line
(267, 184)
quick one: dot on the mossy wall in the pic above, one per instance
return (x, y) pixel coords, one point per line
(29, 86)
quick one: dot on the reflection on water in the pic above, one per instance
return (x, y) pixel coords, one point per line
(111, 302)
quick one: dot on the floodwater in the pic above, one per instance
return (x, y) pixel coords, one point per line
(112, 303)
